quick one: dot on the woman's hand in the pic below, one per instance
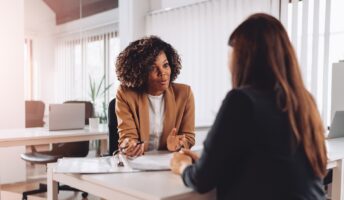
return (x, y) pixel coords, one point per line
(176, 142)
(179, 162)
(132, 147)
(191, 154)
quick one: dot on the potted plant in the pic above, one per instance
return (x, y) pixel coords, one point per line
(98, 90)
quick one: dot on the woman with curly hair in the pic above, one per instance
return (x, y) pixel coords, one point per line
(153, 112)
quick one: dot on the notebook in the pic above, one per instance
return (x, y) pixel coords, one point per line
(337, 125)
(66, 116)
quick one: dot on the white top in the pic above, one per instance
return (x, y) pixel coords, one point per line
(156, 120)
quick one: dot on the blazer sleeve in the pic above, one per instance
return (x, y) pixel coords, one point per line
(187, 126)
(126, 124)
(224, 145)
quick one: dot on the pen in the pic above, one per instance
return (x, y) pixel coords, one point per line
(125, 147)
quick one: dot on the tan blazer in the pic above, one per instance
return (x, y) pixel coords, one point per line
(132, 110)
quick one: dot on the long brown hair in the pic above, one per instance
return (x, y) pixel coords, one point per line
(263, 57)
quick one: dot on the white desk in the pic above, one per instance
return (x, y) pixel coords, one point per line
(166, 185)
(163, 185)
(335, 151)
(36, 136)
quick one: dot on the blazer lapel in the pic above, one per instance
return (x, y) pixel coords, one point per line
(144, 119)
(169, 116)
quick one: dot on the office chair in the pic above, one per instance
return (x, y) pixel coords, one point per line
(112, 124)
(77, 149)
(34, 113)
(59, 150)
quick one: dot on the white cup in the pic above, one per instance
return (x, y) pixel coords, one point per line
(93, 122)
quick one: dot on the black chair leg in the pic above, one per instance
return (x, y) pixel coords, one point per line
(84, 194)
(42, 189)
(68, 188)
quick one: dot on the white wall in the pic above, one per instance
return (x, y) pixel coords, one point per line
(11, 84)
(11, 67)
(40, 27)
(132, 24)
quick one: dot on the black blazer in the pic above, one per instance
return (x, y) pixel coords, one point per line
(250, 153)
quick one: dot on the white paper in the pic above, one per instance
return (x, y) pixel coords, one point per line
(152, 161)
(148, 162)
(91, 165)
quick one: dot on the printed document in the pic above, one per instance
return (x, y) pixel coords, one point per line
(149, 162)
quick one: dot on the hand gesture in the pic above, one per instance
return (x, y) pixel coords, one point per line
(176, 142)
(191, 154)
(179, 162)
(132, 147)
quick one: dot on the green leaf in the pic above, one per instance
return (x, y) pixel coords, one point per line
(96, 91)
(106, 89)
(100, 84)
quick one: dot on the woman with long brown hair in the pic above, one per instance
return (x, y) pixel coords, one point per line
(267, 141)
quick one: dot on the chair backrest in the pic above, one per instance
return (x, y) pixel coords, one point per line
(34, 113)
(75, 149)
(112, 124)
(89, 112)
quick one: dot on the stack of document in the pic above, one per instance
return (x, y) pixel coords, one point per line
(148, 162)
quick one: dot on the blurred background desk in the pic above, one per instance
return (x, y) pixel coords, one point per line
(36, 136)
(335, 152)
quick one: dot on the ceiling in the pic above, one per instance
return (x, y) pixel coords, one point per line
(69, 10)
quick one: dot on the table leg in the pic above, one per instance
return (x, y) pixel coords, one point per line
(103, 147)
(338, 181)
(52, 185)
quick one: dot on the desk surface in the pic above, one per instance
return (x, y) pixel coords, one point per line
(35, 136)
(335, 148)
(161, 185)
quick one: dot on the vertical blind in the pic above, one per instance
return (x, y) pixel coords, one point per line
(82, 57)
(200, 32)
(308, 24)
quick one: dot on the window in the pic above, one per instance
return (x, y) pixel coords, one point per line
(314, 28)
(336, 31)
(84, 63)
(28, 69)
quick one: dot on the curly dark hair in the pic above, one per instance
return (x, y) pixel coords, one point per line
(134, 62)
